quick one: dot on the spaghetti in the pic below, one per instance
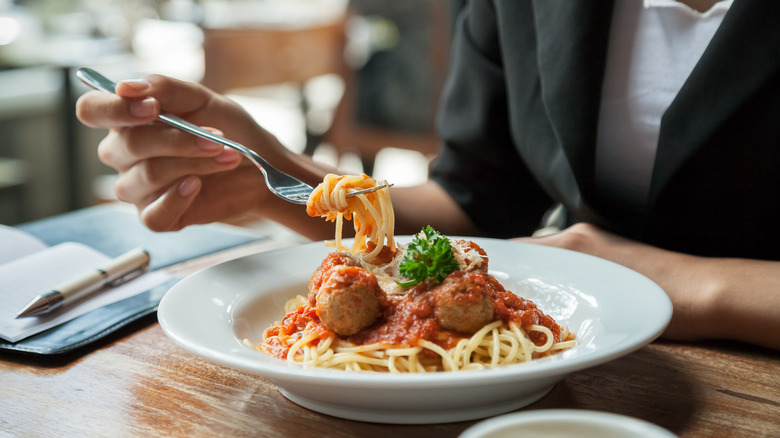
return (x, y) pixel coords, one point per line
(373, 212)
(357, 318)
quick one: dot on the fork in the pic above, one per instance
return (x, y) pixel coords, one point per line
(281, 184)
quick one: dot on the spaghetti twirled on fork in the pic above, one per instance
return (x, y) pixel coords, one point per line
(372, 212)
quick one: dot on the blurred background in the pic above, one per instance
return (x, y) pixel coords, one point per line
(353, 83)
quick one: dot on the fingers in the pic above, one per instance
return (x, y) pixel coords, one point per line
(151, 159)
(98, 109)
(166, 211)
(174, 96)
(140, 101)
(204, 199)
(142, 182)
(133, 88)
(123, 148)
(175, 179)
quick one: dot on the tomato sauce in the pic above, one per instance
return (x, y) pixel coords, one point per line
(411, 317)
(331, 260)
(408, 318)
(295, 321)
(385, 256)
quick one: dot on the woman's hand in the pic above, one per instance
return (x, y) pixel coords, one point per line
(713, 298)
(174, 178)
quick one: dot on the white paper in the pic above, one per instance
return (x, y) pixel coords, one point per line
(23, 279)
(15, 244)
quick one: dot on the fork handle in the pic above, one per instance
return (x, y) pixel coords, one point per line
(184, 125)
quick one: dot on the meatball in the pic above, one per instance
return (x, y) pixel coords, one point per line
(349, 299)
(463, 301)
(331, 260)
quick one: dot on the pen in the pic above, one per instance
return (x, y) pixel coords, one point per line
(119, 270)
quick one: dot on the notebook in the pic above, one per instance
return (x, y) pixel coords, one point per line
(83, 238)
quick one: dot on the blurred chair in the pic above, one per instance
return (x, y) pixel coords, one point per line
(252, 57)
(247, 57)
(391, 100)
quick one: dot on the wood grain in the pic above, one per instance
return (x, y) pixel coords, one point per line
(139, 383)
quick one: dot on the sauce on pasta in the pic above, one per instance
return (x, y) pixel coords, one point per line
(356, 316)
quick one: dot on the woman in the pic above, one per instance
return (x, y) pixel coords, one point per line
(671, 174)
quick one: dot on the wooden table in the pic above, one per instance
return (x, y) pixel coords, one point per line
(138, 383)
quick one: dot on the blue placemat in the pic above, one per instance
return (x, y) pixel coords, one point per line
(114, 229)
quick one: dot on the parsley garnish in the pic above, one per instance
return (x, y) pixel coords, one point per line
(429, 255)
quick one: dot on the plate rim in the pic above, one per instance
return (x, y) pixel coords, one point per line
(620, 422)
(278, 370)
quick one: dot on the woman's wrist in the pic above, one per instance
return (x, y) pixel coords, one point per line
(695, 289)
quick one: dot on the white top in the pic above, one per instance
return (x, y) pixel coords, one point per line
(653, 48)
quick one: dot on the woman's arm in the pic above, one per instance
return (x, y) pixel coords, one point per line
(713, 298)
(176, 179)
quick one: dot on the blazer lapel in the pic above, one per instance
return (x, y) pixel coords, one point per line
(572, 44)
(743, 54)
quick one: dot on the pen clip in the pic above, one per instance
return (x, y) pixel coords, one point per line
(127, 277)
(125, 267)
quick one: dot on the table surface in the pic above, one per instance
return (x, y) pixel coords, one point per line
(137, 382)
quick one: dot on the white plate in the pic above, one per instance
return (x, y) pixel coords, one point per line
(611, 309)
(556, 423)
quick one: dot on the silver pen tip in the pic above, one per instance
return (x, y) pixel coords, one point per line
(41, 304)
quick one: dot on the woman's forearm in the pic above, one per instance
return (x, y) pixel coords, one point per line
(713, 298)
(744, 300)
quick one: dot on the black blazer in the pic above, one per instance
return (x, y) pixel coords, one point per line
(519, 114)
